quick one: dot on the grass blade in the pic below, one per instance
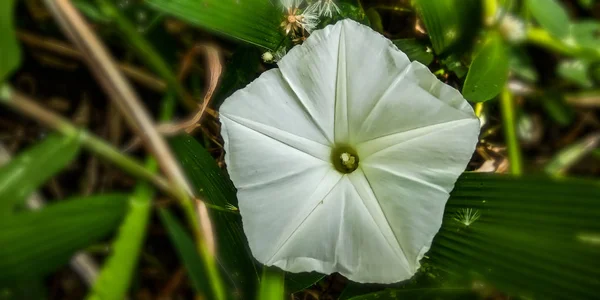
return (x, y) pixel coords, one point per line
(36, 243)
(253, 21)
(184, 244)
(31, 168)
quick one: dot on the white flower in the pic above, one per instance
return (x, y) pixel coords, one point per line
(326, 8)
(345, 155)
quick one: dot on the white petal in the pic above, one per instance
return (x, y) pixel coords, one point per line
(412, 176)
(277, 185)
(310, 70)
(269, 101)
(347, 234)
(371, 64)
(417, 99)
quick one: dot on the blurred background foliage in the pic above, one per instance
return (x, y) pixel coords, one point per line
(82, 216)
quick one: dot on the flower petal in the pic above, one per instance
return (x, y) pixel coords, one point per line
(417, 99)
(310, 70)
(342, 235)
(278, 186)
(372, 64)
(269, 101)
(413, 176)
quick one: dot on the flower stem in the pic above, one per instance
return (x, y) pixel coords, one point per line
(543, 38)
(510, 133)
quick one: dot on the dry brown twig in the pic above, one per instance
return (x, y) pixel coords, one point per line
(111, 79)
(215, 69)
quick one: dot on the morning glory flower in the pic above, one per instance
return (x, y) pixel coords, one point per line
(344, 156)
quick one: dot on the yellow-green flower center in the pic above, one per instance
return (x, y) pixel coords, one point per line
(344, 158)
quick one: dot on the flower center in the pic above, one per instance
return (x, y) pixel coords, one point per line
(344, 159)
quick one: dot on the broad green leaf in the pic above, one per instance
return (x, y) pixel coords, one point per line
(531, 237)
(415, 50)
(488, 72)
(450, 23)
(272, 285)
(253, 21)
(116, 274)
(576, 71)
(296, 282)
(551, 16)
(10, 52)
(215, 188)
(36, 243)
(186, 249)
(32, 168)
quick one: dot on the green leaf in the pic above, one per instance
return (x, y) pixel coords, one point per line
(36, 243)
(186, 249)
(535, 237)
(551, 16)
(353, 10)
(450, 23)
(454, 64)
(253, 21)
(415, 50)
(576, 71)
(272, 285)
(374, 19)
(296, 282)
(557, 109)
(115, 276)
(572, 154)
(488, 72)
(215, 188)
(10, 52)
(32, 168)
(586, 34)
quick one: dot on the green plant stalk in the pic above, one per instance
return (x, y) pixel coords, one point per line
(208, 258)
(145, 51)
(510, 132)
(272, 284)
(543, 38)
(115, 277)
(26, 106)
(489, 9)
